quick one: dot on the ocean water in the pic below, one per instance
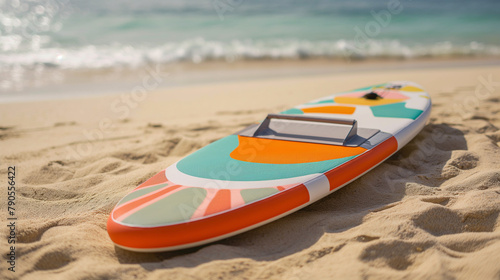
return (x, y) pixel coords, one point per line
(37, 35)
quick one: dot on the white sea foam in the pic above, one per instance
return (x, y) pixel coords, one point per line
(199, 50)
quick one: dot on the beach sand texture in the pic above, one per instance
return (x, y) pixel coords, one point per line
(431, 211)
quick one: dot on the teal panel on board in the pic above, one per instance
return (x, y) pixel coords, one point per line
(322, 102)
(294, 111)
(395, 110)
(214, 162)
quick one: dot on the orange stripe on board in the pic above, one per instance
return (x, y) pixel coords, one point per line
(278, 151)
(147, 203)
(210, 227)
(352, 169)
(348, 110)
(155, 180)
(124, 209)
(220, 202)
(200, 211)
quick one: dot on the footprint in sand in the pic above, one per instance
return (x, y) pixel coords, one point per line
(454, 221)
(54, 171)
(53, 260)
(396, 254)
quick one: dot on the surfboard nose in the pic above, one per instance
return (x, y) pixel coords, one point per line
(160, 202)
(160, 215)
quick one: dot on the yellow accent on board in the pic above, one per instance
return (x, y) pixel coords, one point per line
(411, 88)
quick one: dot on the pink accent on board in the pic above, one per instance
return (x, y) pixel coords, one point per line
(132, 211)
(146, 195)
(236, 199)
(200, 211)
(159, 178)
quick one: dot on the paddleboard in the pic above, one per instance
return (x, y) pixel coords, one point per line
(269, 169)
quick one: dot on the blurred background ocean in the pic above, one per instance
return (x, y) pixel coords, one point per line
(96, 35)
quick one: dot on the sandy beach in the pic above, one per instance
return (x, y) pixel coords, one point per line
(431, 211)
